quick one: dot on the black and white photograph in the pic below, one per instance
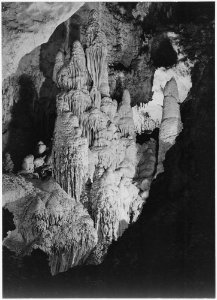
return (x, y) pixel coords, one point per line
(108, 149)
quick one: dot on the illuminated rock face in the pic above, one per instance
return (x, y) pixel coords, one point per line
(124, 118)
(28, 25)
(70, 155)
(47, 218)
(70, 149)
(105, 151)
(96, 53)
(171, 124)
(96, 164)
(71, 75)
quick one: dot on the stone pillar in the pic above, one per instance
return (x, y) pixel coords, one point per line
(96, 54)
(171, 124)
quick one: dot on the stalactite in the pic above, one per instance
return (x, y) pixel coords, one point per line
(67, 24)
(93, 122)
(96, 53)
(72, 74)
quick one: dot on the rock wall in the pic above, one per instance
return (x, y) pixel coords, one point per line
(28, 25)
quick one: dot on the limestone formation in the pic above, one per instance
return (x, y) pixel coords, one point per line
(71, 76)
(15, 188)
(146, 117)
(171, 124)
(109, 107)
(95, 140)
(48, 219)
(94, 159)
(41, 148)
(38, 162)
(28, 164)
(124, 119)
(96, 53)
(28, 25)
(93, 122)
(69, 155)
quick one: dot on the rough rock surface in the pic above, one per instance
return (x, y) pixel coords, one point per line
(175, 231)
(69, 155)
(49, 219)
(96, 53)
(107, 129)
(28, 25)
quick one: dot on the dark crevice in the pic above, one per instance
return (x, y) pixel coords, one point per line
(162, 53)
(8, 221)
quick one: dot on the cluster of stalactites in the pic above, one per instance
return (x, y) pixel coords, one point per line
(75, 101)
(93, 122)
(171, 124)
(96, 53)
(71, 74)
(70, 155)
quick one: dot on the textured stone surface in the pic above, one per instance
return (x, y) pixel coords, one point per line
(27, 25)
(175, 231)
(113, 200)
(69, 155)
(47, 218)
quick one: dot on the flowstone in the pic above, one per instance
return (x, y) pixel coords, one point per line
(47, 218)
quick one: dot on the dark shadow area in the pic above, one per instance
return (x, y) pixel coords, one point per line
(146, 136)
(25, 277)
(46, 105)
(170, 250)
(118, 92)
(162, 53)
(7, 221)
(199, 12)
(21, 138)
(45, 108)
(165, 14)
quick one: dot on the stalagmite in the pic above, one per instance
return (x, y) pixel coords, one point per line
(92, 122)
(171, 124)
(109, 107)
(76, 101)
(70, 155)
(124, 119)
(27, 165)
(71, 76)
(41, 148)
(70, 149)
(96, 53)
(95, 161)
